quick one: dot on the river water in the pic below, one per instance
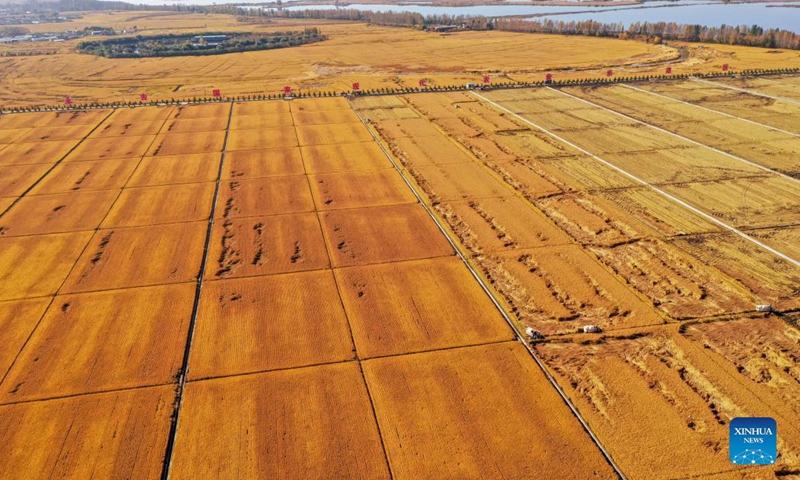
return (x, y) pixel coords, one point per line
(710, 13)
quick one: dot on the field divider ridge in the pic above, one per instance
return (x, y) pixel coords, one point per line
(356, 357)
(493, 299)
(83, 250)
(718, 112)
(57, 163)
(744, 90)
(657, 190)
(195, 309)
(676, 135)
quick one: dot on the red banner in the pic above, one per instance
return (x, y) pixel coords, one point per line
(67, 101)
(549, 76)
(724, 67)
(356, 86)
(287, 90)
(422, 82)
(609, 73)
(216, 93)
(143, 97)
(486, 79)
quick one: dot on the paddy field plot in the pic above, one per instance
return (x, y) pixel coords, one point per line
(250, 197)
(244, 247)
(72, 352)
(372, 188)
(33, 153)
(430, 150)
(123, 127)
(410, 306)
(189, 112)
(57, 213)
(35, 266)
(183, 143)
(344, 157)
(103, 148)
(323, 106)
(262, 163)
(116, 434)
(170, 170)
(455, 404)
(87, 176)
(299, 419)
(161, 204)
(18, 318)
(55, 133)
(325, 117)
(329, 134)
(507, 223)
(139, 256)
(257, 122)
(80, 117)
(8, 135)
(133, 122)
(196, 125)
(255, 139)
(241, 109)
(269, 322)
(18, 178)
(381, 234)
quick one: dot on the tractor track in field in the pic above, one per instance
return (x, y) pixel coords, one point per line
(748, 91)
(711, 110)
(676, 135)
(652, 187)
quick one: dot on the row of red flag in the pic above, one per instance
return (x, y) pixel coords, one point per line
(422, 83)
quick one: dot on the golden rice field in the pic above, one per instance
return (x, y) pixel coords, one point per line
(377, 57)
(255, 289)
(656, 218)
(159, 263)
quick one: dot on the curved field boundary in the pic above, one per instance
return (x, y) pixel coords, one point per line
(676, 135)
(657, 190)
(517, 332)
(711, 110)
(745, 90)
